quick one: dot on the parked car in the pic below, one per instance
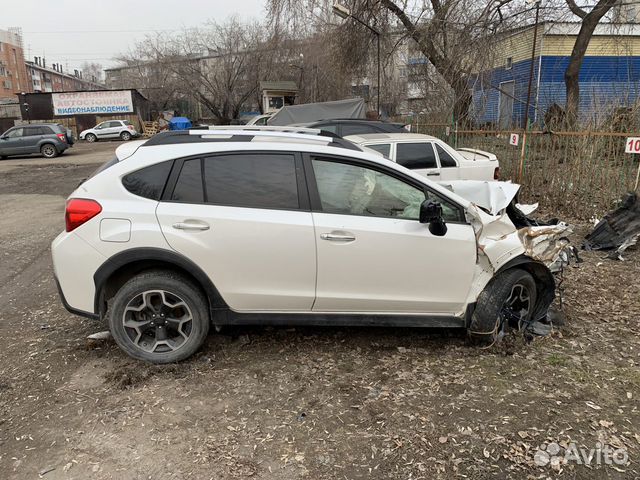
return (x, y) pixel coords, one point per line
(122, 129)
(281, 226)
(431, 157)
(48, 139)
(356, 126)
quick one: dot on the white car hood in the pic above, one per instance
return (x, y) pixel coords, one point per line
(492, 196)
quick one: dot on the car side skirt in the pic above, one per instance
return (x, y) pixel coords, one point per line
(230, 317)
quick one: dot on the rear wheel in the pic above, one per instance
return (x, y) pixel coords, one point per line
(126, 136)
(507, 303)
(90, 137)
(159, 317)
(49, 150)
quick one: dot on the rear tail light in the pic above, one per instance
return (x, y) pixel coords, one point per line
(130, 127)
(496, 173)
(62, 136)
(79, 211)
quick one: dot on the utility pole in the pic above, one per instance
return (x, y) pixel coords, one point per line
(528, 104)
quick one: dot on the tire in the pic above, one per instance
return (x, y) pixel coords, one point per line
(501, 307)
(125, 136)
(90, 137)
(163, 294)
(49, 150)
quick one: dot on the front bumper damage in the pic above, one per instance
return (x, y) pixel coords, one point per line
(507, 237)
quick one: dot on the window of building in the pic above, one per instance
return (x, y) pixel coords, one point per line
(509, 63)
(252, 180)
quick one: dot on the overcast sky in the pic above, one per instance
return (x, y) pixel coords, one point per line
(73, 31)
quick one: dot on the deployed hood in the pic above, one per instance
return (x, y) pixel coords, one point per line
(492, 196)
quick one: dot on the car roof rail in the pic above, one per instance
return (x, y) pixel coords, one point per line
(268, 128)
(241, 133)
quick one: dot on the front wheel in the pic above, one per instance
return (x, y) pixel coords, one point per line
(49, 150)
(125, 136)
(90, 137)
(159, 317)
(506, 303)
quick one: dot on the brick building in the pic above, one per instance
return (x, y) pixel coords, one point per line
(13, 74)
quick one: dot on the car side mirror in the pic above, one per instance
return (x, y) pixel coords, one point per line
(431, 213)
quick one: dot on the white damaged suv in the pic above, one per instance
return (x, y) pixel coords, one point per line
(280, 225)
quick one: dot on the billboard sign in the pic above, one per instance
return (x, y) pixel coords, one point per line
(94, 103)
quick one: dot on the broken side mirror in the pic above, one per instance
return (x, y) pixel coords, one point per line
(431, 213)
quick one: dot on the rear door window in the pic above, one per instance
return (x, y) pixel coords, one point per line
(384, 149)
(416, 156)
(189, 184)
(253, 180)
(148, 182)
(32, 131)
(358, 129)
(446, 160)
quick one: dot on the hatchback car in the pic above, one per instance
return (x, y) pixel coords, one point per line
(122, 129)
(48, 139)
(285, 226)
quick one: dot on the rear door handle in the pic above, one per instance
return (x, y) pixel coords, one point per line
(191, 225)
(433, 174)
(338, 237)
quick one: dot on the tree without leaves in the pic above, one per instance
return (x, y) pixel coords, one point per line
(571, 76)
(449, 33)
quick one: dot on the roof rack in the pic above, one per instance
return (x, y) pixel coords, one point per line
(241, 133)
(267, 128)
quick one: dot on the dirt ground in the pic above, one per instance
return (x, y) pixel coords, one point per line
(316, 403)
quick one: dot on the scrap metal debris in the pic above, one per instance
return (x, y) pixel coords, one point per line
(618, 230)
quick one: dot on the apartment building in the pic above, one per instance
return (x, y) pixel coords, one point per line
(53, 78)
(13, 74)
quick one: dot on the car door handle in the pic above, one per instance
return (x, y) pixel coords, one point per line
(433, 174)
(191, 226)
(338, 237)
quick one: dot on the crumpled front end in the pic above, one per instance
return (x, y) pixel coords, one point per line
(507, 237)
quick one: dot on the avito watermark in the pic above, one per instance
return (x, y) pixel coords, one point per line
(554, 455)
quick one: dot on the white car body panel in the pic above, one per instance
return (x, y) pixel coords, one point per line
(244, 250)
(471, 165)
(275, 260)
(366, 276)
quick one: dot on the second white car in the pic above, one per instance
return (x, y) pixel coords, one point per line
(111, 129)
(431, 157)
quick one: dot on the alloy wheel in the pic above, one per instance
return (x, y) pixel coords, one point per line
(157, 321)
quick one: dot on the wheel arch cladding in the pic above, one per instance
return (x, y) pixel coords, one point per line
(114, 272)
(545, 282)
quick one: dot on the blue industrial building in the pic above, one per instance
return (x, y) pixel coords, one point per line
(609, 77)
